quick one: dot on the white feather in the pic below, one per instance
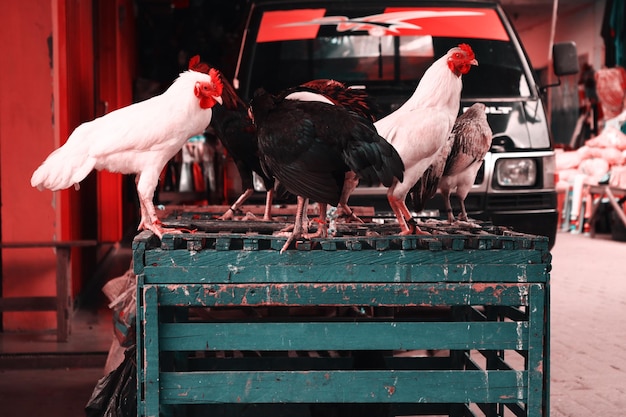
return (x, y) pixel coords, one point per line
(420, 128)
(137, 139)
(140, 137)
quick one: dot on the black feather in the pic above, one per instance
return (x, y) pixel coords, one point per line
(309, 146)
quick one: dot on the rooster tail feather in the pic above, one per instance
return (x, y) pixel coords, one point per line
(425, 188)
(371, 157)
(392, 164)
(376, 161)
(62, 170)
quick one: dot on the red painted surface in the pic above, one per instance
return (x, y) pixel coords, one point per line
(48, 80)
(73, 83)
(109, 185)
(26, 138)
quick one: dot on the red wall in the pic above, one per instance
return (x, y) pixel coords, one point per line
(45, 95)
(115, 66)
(26, 137)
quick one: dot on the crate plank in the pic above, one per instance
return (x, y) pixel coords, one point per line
(258, 272)
(150, 355)
(343, 336)
(207, 257)
(334, 294)
(343, 387)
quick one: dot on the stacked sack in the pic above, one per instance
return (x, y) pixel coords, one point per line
(599, 158)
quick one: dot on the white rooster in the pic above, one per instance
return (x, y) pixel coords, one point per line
(137, 139)
(420, 128)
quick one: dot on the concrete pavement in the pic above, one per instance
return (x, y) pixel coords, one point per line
(588, 319)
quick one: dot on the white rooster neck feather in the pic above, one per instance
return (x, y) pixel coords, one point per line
(437, 82)
(439, 89)
(186, 81)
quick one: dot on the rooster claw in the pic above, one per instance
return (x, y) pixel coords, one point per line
(159, 230)
(287, 243)
(466, 223)
(250, 217)
(290, 239)
(413, 229)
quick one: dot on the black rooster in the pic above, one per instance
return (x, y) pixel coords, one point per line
(337, 94)
(235, 129)
(310, 146)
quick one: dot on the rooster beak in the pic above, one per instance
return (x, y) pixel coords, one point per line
(474, 62)
(219, 98)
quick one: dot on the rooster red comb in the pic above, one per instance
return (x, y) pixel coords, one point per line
(196, 65)
(216, 79)
(467, 49)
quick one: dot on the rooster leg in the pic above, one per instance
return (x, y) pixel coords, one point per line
(305, 216)
(322, 230)
(269, 198)
(143, 223)
(463, 218)
(286, 231)
(349, 214)
(230, 213)
(407, 224)
(146, 184)
(351, 181)
(145, 196)
(446, 200)
(298, 230)
(463, 213)
(400, 210)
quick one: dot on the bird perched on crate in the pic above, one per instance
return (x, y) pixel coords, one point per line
(420, 128)
(234, 128)
(472, 139)
(238, 134)
(337, 94)
(136, 139)
(309, 147)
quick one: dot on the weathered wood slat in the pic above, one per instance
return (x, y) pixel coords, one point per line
(150, 355)
(344, 387)
(303, 362)
(28, 304)
(343, 336)
(258, 272)
(335, 294)
(208, 212)
(48, 244)
(166, 258)
(538, 353)
(63, 299)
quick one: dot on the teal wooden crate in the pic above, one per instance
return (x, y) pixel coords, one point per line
(455, 323)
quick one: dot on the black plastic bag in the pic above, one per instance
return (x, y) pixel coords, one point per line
(115, 394)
